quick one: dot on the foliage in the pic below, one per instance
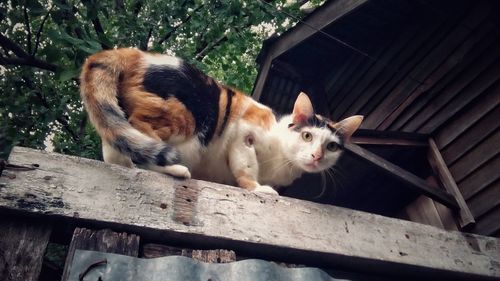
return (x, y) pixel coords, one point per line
(43, 44)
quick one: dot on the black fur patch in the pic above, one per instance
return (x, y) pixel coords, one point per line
(99, 65)
(111, 111)
(230, 94)
(124, 147)
(314, 121)
(162, 161)
(198, 92)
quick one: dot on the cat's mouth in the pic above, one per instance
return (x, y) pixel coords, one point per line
(311, 167)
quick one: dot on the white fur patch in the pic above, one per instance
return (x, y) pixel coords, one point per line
(265, 189)
(164, 60)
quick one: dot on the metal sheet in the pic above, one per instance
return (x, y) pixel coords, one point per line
(125, 268)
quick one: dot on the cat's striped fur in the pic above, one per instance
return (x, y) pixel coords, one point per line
(163, 114)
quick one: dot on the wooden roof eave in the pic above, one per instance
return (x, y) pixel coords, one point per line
(323, 16)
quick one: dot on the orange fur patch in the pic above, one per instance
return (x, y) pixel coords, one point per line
(245, 181)
(158, 117)
(256, 115)
(222, 111)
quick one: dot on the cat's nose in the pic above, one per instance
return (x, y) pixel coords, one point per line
(316, 157)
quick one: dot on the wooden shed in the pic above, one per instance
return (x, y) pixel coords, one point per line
(426, 76)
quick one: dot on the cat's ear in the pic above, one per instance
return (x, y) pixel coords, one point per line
(303, 109)
(348, 126)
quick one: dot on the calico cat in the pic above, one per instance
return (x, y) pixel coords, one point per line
(163, 114)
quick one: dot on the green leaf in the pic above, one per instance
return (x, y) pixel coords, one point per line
(68, 74)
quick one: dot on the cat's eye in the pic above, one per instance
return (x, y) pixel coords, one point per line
(332, 146)
(306, 136)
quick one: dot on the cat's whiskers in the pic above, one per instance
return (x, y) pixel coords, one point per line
(282, 165)
(323, 186)
(337, 176)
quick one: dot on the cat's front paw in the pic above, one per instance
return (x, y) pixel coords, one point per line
(177, 171)
(266, 189)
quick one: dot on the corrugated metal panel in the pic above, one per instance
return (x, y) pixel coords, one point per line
(433, 68)
(94, 266)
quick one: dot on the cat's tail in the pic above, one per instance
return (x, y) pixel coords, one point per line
(99, 83)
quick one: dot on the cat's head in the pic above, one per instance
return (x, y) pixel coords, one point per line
(313, 142)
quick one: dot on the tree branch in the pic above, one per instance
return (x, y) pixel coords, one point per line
(202, 53)
(39, 32)
(11, 45)
(100, 31)
(28, 28)
(137, 7)
(175, 28)
(143, 45)
(23, 58)
(29, 61)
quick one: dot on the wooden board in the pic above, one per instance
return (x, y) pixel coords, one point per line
(485, 200)
(218, 216)
(327, 14)
(472, 137)
(410, 179)
(22, 247)
(488, 224)
(212, 256)
(104, 240)
(479, 155)
(438, 74)
(480, 179)
(437, 161)
(459, 124)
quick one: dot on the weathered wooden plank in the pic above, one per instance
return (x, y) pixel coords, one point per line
(447, 216)
(400, 44)
(465, 216)
(472, 91)
(476, 157)
(403, 64)
(423, 211)
(468, 85)
(328, 13)
(151, 250)
(271, 226)
(472, 137)
(459, 124)
(488, 224)
(480, 179)
(410, 179)
(261, 79)
(322, 17)
(485, 47)
(425, 60)
(103, 241)
(485, 200)
(22, 246)
(334, 92)
(436, 75)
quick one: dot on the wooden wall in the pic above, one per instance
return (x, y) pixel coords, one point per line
(430, 67)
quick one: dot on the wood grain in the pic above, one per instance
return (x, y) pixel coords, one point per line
(22, 247)
(226, 217)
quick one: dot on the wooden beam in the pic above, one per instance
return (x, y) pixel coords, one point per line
(211, 215)
(261, 78)
(22, 246)
(211, 256)
(386, 141)
(413, 181)
(466, 218)
(328, 13)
